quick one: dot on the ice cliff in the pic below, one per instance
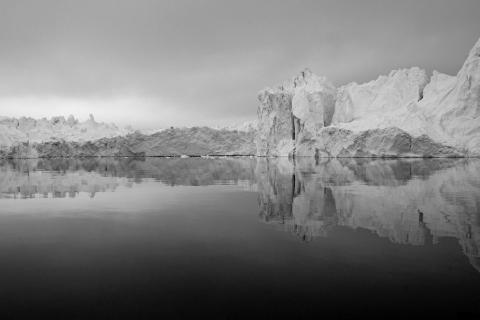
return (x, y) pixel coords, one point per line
(196, 141)
(404, 114)
(60, 137)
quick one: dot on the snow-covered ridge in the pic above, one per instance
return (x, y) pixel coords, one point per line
(14, 131)
(405, 113)
(246, 126)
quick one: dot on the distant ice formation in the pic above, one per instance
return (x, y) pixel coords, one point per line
(14, 131)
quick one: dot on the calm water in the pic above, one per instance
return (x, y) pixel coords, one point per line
(234, 238)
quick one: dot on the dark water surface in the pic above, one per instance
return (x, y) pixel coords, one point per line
(240, 238)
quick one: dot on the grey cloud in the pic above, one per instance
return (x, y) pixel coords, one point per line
(211, 57)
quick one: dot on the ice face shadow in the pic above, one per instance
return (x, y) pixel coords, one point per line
(411, 202)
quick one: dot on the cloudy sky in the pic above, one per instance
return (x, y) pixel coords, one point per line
(153, 64)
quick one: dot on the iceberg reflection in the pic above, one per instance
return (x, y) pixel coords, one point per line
(411, 202)
(60, 178)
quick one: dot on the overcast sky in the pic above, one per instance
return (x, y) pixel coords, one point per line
(153, 64)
